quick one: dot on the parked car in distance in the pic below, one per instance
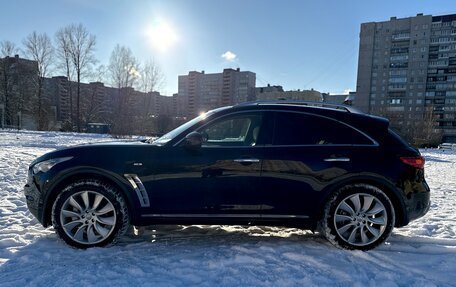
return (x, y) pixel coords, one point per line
(309, 165)
(447, 146)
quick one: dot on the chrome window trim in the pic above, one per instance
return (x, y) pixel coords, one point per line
(374, 142)
(302, 145)
(337, 159)
(285, 216)
(221, 117)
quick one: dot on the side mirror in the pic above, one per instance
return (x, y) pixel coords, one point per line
(193, 140)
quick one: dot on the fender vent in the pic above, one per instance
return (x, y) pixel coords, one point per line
(139, 188)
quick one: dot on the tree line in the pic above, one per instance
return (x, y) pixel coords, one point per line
(71, 52)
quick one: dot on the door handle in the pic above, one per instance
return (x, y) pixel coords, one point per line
(247, 160)
(337, 159)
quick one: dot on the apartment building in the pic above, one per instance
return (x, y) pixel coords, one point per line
(199, 91)
(98, 103)
(273, 93)
(17, 85)
(407, 72)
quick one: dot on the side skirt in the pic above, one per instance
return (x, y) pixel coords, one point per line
(238, 216)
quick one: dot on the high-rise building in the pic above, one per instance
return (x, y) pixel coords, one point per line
(200, 92)
(407, 72)
(339, 99)
(18, 78)
(274, 93)
(268, 89)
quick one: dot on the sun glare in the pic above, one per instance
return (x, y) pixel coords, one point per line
(162, 36)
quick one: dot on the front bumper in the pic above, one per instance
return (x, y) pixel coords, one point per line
(33, 198)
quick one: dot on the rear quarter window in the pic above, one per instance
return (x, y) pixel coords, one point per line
(394, 139)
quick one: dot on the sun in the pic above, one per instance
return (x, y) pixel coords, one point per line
(162, 36)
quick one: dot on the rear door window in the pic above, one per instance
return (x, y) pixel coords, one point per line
(293, 128)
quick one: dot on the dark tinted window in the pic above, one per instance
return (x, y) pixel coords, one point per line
(302, 129)
(238, 130)
(394, 139)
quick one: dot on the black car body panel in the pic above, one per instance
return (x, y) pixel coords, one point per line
(265, 182)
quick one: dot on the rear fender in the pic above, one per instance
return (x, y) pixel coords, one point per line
(394, 194)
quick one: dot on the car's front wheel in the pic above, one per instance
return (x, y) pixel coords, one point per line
(89, 213)
(358, 217)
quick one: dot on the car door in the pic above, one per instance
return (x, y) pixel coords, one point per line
(307, 153)
(219, 179)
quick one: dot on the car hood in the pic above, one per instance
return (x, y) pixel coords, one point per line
(104, 150)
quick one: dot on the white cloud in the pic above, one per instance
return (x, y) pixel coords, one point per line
(229, 56)
(347, 91)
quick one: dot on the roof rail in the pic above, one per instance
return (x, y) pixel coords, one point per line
(345, 108)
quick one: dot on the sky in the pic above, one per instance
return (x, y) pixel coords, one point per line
(296, 44)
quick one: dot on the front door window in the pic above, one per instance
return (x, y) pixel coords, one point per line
(238, 130)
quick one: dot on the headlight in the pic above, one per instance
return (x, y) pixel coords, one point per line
(46, 165)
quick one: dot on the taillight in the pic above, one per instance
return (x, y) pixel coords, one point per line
(415, 161)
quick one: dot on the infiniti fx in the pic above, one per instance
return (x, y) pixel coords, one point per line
(314, 166)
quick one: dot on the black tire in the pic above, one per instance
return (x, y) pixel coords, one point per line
(110, 194)
(328, 226)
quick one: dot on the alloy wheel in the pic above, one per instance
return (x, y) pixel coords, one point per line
(88, 217)
(360, 219)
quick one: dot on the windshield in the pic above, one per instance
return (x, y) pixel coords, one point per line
(177, 131)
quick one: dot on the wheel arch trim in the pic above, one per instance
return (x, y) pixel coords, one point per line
(397, 199)
(66, 176)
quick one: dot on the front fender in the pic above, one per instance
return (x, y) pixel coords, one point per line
(53, 185)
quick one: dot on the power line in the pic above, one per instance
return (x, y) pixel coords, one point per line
(342, 63)
(337, 61)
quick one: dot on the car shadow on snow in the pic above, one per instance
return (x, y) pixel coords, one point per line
(429, 158)
(176, 255)
(157, 250)
(208, 233)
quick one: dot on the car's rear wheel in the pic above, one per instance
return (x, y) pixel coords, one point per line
(358, 217)
(90, 213)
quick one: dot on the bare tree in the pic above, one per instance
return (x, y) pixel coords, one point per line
(92, 103)
(152, 77)
(64, 62)
(81, 51)
(163, 124)
(8, 48)
(426, 132)
(124, 72)
(99, 74)
(123, 67)
(39, 48)
(421, 132)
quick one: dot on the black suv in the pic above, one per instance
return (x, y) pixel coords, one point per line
(297, 164)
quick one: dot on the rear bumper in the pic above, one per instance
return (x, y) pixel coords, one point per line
(418, 205)
(418, 202)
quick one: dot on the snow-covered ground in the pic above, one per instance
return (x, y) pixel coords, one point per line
(421, 254)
